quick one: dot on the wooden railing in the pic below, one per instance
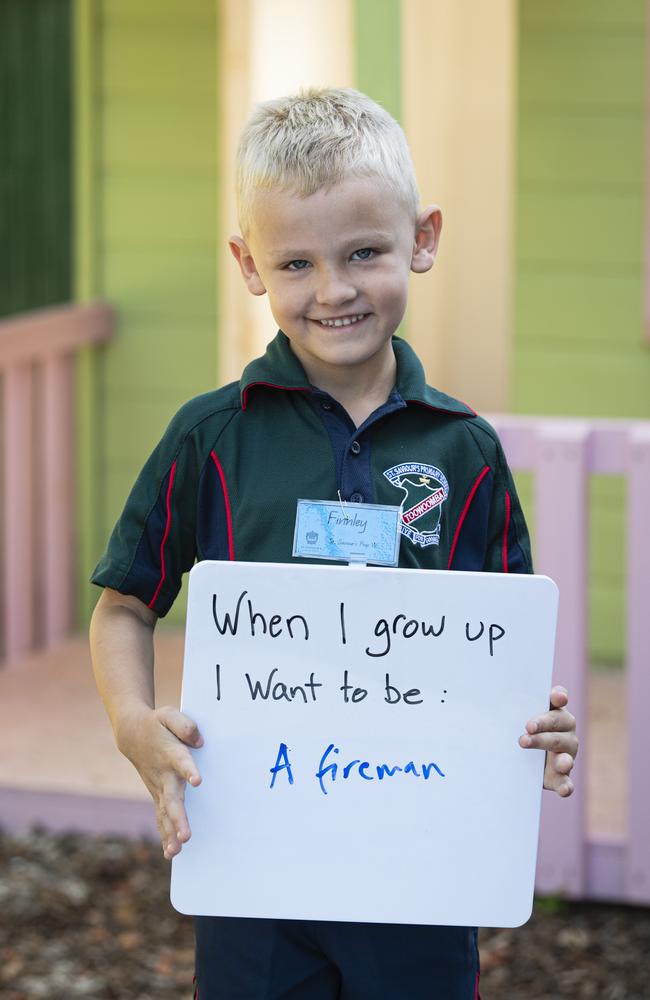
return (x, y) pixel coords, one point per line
(562, 454)
(37, 469)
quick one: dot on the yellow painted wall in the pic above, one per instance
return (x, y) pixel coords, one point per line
(266, 50)
(458, 66)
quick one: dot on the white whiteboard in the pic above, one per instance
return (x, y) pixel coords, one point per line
(450, 837)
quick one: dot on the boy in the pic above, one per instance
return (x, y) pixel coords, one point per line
(331, 228)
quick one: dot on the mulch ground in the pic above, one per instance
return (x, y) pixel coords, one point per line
(90, 917)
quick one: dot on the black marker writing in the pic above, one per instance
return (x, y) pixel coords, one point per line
(409, 629)
(273, 625)
(281, 691)
(495, 632)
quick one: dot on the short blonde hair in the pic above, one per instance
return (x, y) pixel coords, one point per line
(317, 138)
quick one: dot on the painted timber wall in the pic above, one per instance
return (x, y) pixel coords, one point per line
(35, 165)
(146, 234)
(579, 345)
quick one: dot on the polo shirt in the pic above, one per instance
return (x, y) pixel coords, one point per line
(224, 480)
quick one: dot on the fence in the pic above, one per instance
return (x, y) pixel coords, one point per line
(37, 468)
(37, 461)
(562, 454)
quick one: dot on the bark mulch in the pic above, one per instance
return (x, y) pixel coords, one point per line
(90, 917)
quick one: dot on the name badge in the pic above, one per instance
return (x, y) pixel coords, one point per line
(356, 532)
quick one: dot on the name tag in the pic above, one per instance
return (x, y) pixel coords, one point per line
(354, 532)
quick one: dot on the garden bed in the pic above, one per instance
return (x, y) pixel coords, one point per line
(90, 917)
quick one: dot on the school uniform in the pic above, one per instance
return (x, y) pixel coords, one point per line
(223, 484)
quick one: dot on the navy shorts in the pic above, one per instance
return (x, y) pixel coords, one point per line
(250, 959)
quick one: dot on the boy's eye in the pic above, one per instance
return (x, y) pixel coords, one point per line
(297, 265)
(365, 254)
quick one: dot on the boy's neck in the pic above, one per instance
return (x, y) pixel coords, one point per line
(360, 389)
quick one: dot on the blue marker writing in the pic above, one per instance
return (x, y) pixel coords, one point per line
(283, 756)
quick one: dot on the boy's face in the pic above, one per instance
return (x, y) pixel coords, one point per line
(335, 266)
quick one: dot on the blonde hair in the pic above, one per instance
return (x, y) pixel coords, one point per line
(317, 138)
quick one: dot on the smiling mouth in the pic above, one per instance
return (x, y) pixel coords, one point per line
(341, 320)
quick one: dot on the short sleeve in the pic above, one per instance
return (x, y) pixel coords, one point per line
(154, 541)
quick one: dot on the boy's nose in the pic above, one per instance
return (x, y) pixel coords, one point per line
(333, 288)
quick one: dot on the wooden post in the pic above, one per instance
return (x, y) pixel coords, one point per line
(637, 861)
(561, 516)
(44, 341)
(58, 492)
(17, 583)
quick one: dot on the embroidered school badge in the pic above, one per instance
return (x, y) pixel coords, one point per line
(425, 490)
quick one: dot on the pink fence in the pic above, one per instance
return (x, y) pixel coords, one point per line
(562, 454)
(37, 469)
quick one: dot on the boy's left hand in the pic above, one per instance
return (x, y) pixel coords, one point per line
(554, 732)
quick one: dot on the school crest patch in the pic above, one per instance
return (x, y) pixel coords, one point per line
(425, 490)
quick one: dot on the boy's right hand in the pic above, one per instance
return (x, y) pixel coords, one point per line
(156, 742)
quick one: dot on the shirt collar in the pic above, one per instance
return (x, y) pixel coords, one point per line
(412, 386)
(279, 368)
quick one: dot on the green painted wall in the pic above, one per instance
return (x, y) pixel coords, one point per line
(377, 61)
(377, 33)
(579, 345)
(149, 186)
(35, 185)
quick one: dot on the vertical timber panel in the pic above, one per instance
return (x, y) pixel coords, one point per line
(35, 265)
(88, 538)
(57, 490)
(18, 510)
(561, 533)
(637, 862)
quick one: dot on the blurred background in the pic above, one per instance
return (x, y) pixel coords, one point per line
(527, 122)
(119, 300)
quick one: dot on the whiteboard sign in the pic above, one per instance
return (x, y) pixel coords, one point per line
(361, 757)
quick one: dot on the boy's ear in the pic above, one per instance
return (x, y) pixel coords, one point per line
(244, 258)
(427, 237)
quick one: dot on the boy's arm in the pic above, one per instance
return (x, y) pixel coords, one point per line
(155, 740)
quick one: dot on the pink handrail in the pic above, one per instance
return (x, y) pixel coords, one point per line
(37, 455)
(562, 454)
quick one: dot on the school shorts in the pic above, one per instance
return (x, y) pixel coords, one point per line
(252, 959)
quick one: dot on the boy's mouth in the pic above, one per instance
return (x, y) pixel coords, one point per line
(342, 320)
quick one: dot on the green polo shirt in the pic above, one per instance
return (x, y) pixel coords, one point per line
(224, 480)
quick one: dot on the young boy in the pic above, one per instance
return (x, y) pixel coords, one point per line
(330, 230)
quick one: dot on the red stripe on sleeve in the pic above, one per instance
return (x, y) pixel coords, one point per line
(468, 503)
(505, 534)
(226, 500)
(168, 525)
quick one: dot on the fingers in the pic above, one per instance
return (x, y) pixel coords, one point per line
(551, 742)
(556, 774)
(555, 733)
(173, 823)
(166, 765)
(171, 817)
(184, 728)
(559, 696)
